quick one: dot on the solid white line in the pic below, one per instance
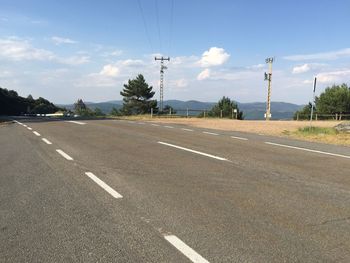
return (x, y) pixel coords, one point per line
(211, 133)
(239, 138)
(36, 133)
(46, 141)
(29, 128)
(154, 124)
(64, 154)
(308, 150)
(193, 151)
(185, 249)
(170, 127)
(184, 129)
(106, 187)
(77, 122)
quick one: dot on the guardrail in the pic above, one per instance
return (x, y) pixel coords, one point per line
(194, 113)
(320, 116)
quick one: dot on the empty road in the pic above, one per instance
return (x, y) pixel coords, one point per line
(131, 191)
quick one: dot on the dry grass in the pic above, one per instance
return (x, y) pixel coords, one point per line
(275, 128)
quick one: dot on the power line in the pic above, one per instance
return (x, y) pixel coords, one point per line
(157, 17)
(145, 25)
(171, 26)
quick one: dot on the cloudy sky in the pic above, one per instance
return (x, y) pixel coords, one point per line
(64, 50)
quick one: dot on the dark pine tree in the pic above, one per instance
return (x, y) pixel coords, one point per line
(137, 96)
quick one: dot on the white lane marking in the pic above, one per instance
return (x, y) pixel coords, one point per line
(194, 151)
(77, 122)
(211, 133)
(261, 134)
(308, 150)
(36, 133)
(140, 123)
(106, 187)
(153, 124)
(169, 127)
(29, 128)
(46, 141)
(64, 154)
(25, 125)
(239, 138)
(185, 249)
(185, 129)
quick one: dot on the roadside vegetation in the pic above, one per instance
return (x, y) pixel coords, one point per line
(334, 103)
(13, 104)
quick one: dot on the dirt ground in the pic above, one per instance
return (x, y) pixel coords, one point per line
(275, 128)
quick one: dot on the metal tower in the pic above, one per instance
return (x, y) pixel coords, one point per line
(268, 77)
(161, 83)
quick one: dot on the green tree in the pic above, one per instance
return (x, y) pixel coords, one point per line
(168, 109)
(114, 112)
(335, 99)
(304, 113)
(98, 112)
(226, 106)
(81, 109)
(137, 96)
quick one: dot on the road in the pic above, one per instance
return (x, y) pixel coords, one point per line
(129, 191)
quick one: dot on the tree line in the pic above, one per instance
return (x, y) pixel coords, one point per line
(13, 104)
(334, 100)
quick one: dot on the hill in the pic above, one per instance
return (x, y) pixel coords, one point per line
(13, 104)
(251, 111)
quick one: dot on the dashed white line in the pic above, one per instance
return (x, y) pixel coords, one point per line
(169, 127)
(77, 122)
(25, 125)
(29, 128)
(308, 150)
(106, 187)
(210, 133)
(185, 249)
(36, 133)
(46, 141)
(239, 138)
(153, 124)
(185, 129)
(194, 151)
(64, 154)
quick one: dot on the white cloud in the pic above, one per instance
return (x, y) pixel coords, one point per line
(17, 49)
(61, 40)
(301, 69)
(214, 57)
(256, 67)
(131, 62)
(332, 77)
(205, 74)
(331, 55)
(110, 71)
(181, 83)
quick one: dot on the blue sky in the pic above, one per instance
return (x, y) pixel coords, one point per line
(65, 50)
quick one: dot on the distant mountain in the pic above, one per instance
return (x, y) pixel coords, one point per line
(251, 111)
(279, 110)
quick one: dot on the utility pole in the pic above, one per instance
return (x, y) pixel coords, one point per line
(161, 83)
(268, 77)
(313, 101)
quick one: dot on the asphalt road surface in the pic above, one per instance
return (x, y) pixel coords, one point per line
(127, 191)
